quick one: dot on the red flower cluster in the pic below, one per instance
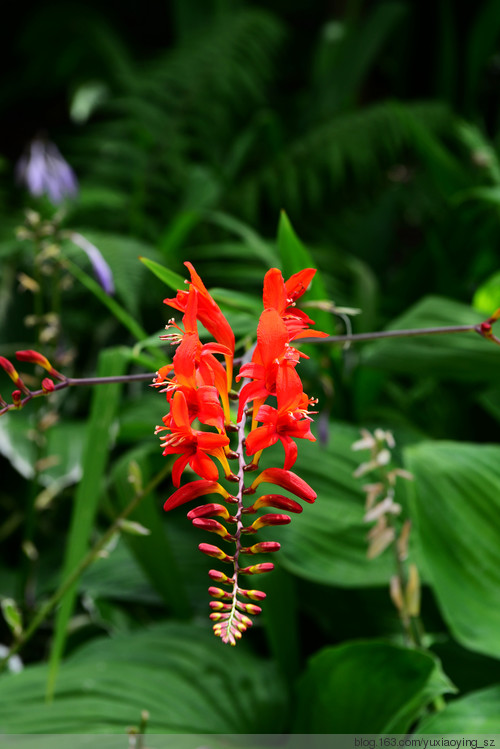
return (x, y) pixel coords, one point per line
(198, 386)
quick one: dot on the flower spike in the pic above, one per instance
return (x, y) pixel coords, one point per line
(198, 388)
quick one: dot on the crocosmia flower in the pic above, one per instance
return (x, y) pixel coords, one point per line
(198, 430)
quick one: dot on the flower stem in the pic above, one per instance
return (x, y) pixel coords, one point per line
(239, 524)
(408, 333)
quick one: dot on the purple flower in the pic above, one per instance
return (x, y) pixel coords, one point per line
(44, 171)
(102, 270)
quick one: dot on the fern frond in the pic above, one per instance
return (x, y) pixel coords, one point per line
(357, 147)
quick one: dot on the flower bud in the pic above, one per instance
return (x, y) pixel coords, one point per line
(255, 595)
(264, 547)
(208, 524)
(257, 569)
(220, 577)
(214, 551)
(268, 519)
(47, 385)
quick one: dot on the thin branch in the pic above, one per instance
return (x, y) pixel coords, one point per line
(408, 333)
(74, 382)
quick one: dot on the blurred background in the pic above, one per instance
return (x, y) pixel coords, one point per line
(373, 124)
(188, 126)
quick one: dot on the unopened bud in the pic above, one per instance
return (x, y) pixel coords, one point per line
(255, 595)
(219, 593)
(264, 547)
(47, 385)
(257, 569)
(16, 398)
(214, 551)
(220, 577)
(213, 526)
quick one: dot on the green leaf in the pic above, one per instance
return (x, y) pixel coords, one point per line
(187, 679)
(114, 307)
(64, 441)
(104, 579)
(461, 356)
(154, 554)
(475, 713)
(172, 279)
(487, 297)
(327, 542)
(366, 687)
(295, 257)
(99, 439)
(456, 505)
(254, 243)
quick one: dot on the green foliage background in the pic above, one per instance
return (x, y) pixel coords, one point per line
(191, 125)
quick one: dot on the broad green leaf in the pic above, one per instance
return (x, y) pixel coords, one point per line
(153, 553)
(475, 713)
(295, 257)
(327, 542)
(99, 439)
(366, 687)
(189, 681)
(169, 277)
(104, 579)
(64, 444)
(490, 401)
(461, 356)
(455, 506)
(487, 297)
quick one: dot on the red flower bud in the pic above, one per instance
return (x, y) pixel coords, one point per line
(257, 569)
(269, 519)
(33, 357)
(214, 551)
(16, 398)
(213, 526)
(47, 385)
(264, 547)
(210, 509)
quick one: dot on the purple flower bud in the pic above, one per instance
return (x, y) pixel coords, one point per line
(44, 171)
(102, 270)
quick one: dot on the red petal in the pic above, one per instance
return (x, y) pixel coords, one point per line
(299, 283)
(290, 451)
(310, 334)
(272, 337)
(185, 360)
(211, 441)
(260, 438)
(274, 296)
(179, 410)
(178, 468)
(203, 466)
(288, 388)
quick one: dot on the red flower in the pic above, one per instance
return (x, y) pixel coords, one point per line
(209, 314)
(194, 447)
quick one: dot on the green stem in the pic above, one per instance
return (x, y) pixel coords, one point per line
(82, 566)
